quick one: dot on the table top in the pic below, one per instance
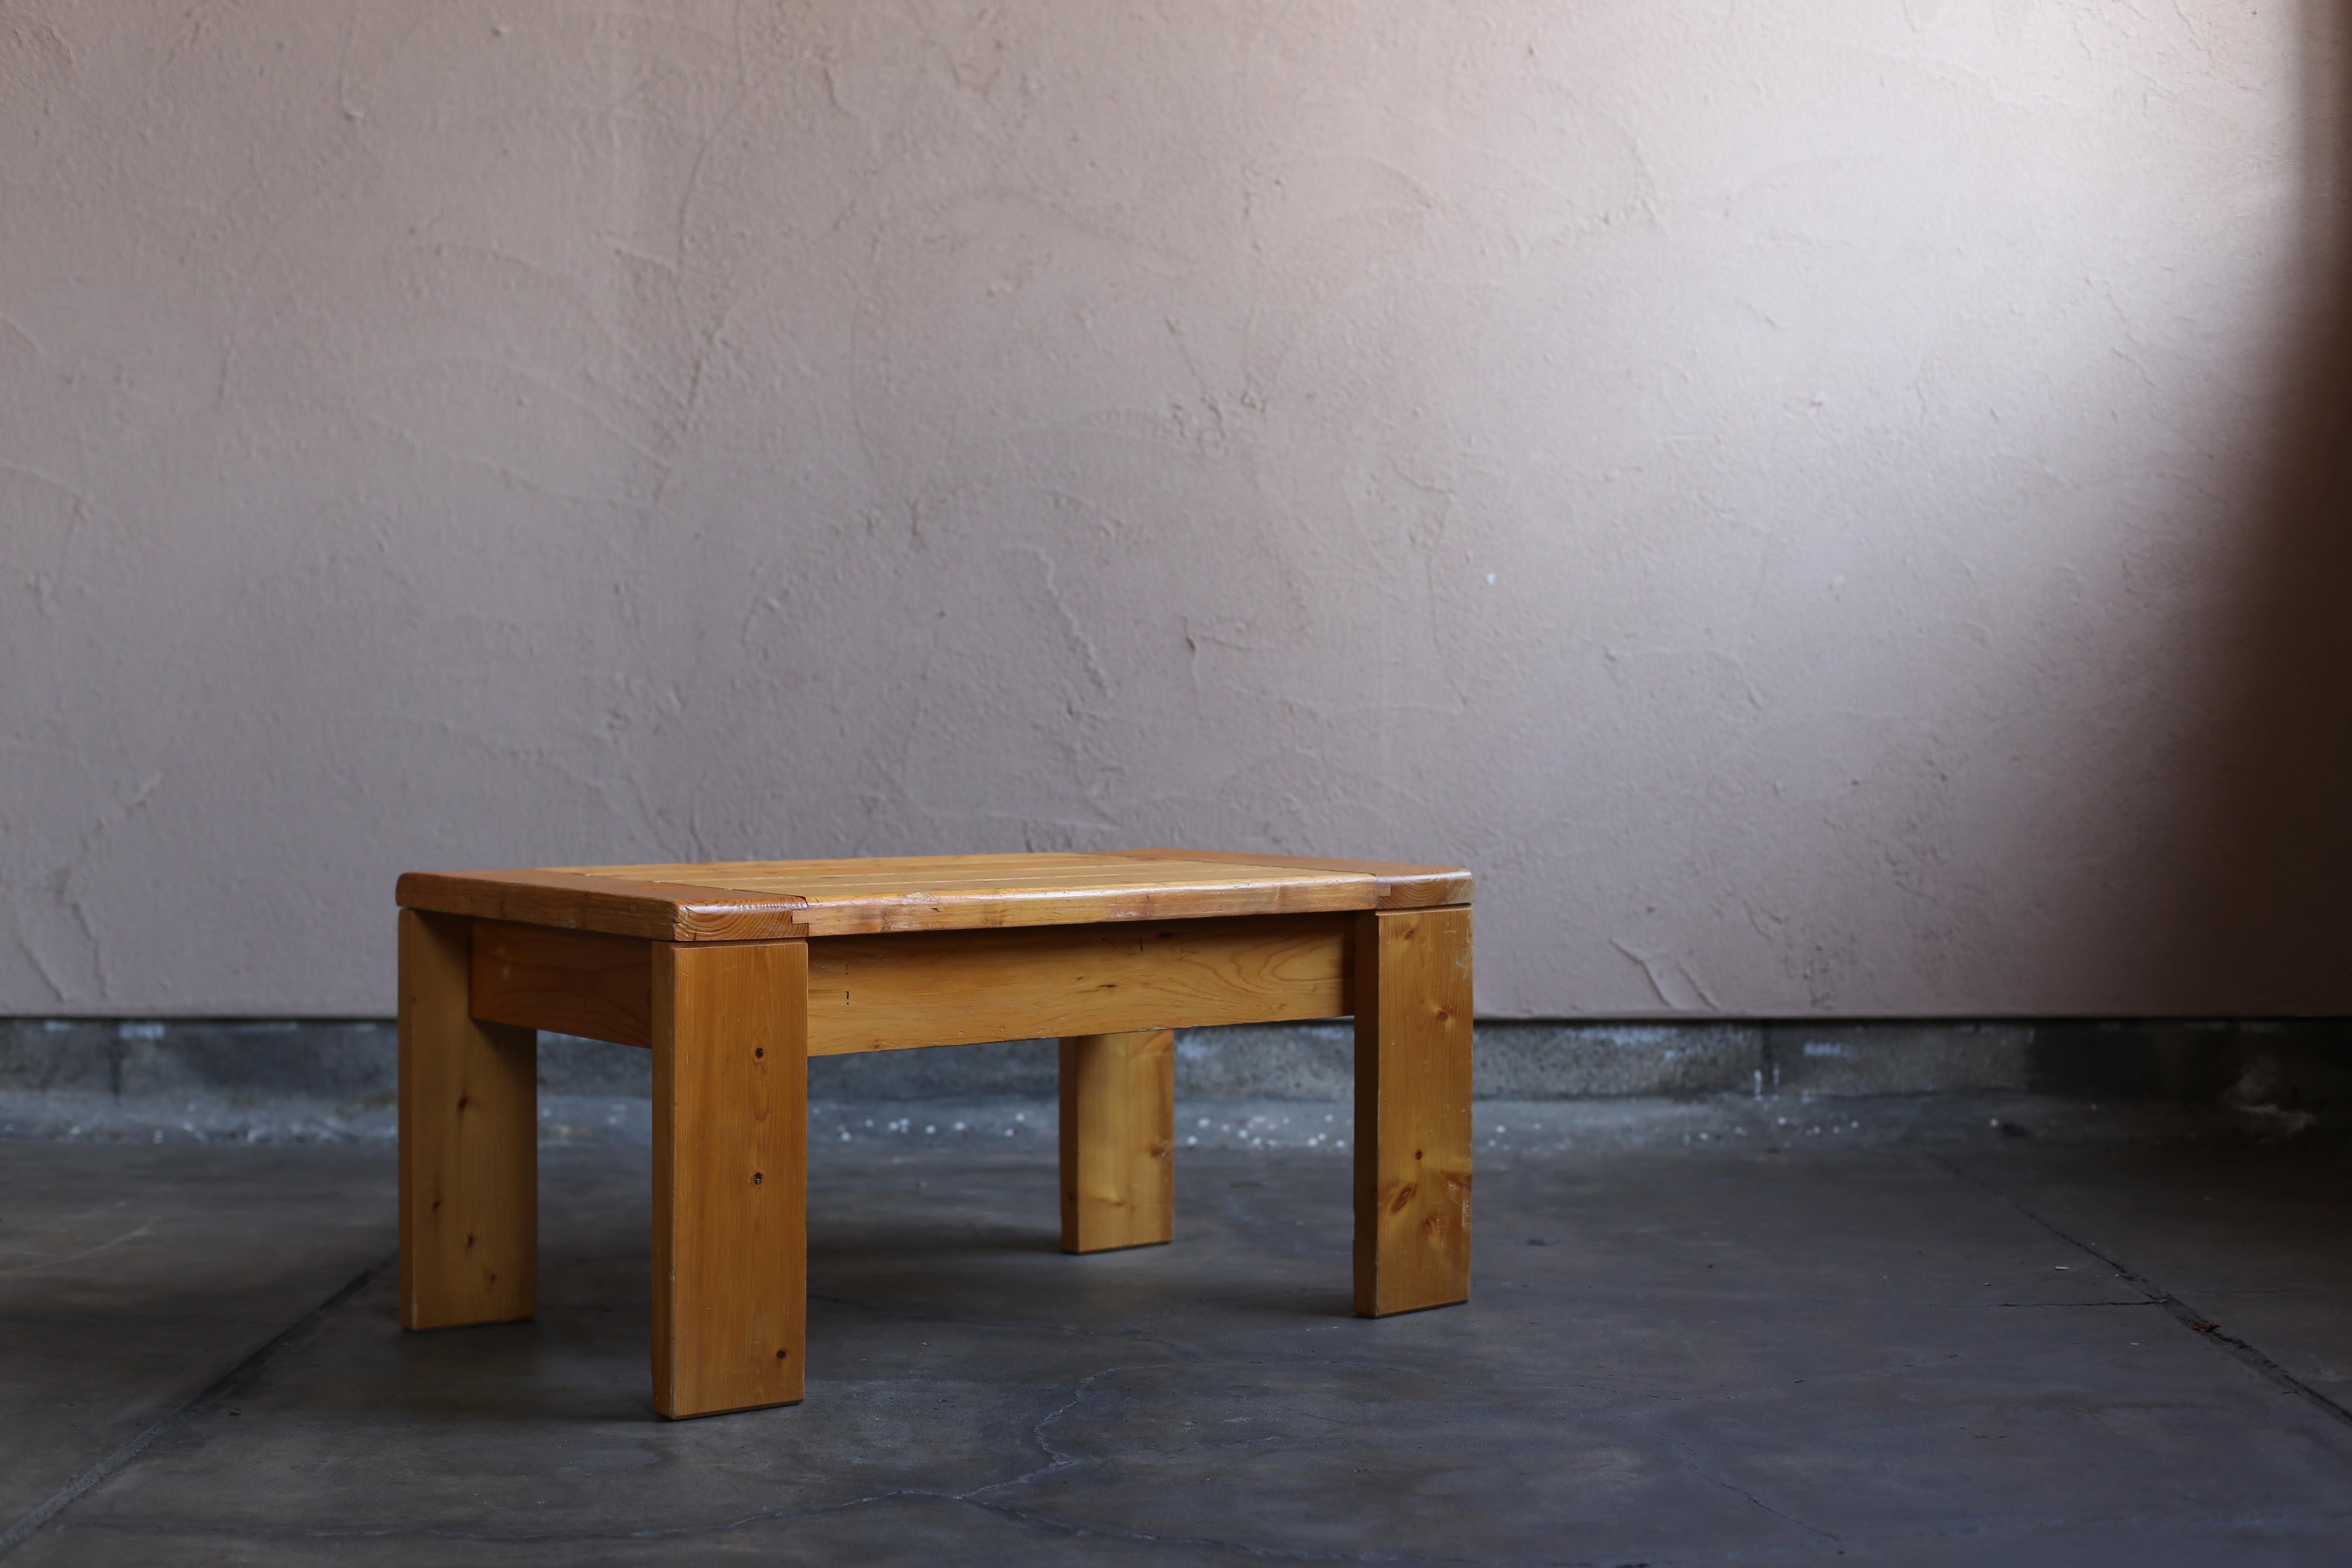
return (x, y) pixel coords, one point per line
(744, 901)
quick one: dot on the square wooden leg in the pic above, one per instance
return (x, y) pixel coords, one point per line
(1412, 1109)
(1118, 1141)
(730, 1175)
(468, 1142)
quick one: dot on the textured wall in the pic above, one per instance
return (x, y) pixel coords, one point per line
(1825, 504)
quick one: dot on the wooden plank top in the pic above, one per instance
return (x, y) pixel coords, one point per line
(749, 900)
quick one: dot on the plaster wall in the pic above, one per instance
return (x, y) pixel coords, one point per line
(1830, 506)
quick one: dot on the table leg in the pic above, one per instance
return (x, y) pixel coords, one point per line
(469, 1141)
(1119, 1139)
(730, 1175)
(1412, 1109)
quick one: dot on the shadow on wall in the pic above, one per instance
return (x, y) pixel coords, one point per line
(2271, 872)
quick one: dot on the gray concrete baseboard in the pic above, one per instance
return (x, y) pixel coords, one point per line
(332, 1080)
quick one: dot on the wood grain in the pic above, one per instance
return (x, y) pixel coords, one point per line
(731, 1183)
(1118, 1141)
(965, 892)
(765, 899)
(468, 1142)
(616, 904)
(886, 992)
(1400, 886)
(570, 982)
(1412, 1109)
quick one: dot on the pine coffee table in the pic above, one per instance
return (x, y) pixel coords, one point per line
(735, 975)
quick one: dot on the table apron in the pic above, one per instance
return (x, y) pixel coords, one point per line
(937, 988)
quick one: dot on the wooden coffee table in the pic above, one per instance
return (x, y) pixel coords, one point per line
(735, 975)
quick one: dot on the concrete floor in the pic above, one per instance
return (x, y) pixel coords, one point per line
(1969, 1348)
